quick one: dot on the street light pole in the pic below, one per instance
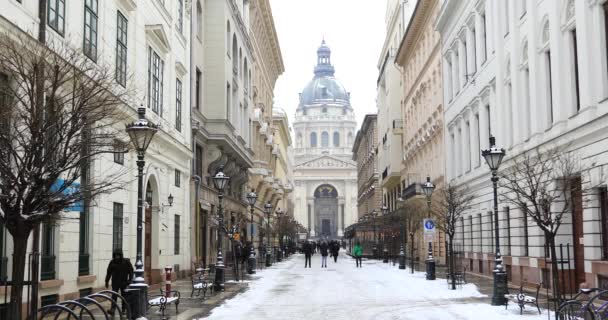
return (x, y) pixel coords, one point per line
(279, 213)
(220, 180)
(428, 187)
(268, 211)
(493, 157)
(251, 198)
(375, 247)
(141, 132)
(384, 210)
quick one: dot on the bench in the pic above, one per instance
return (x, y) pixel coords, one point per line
(200, 282)
(523, 299)
(162, 300)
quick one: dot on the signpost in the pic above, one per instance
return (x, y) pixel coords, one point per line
(429, 234)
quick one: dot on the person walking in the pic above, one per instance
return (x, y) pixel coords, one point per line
(335, 249)
(324, 248)
(307, 254)
(358, 253)
(120, 271)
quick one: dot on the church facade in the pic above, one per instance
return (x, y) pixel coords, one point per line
(325, 175)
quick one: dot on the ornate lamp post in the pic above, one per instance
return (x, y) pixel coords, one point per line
(428, 187)
(268, 211)
(279, 213)
(220, 180)
(494, 157)
(384, 210)
(251, 199)
(141, 132)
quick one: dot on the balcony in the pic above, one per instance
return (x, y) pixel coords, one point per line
(47, 267)
(414, 189)
(83, 264)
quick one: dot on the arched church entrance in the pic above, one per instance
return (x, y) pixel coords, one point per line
(326, 211)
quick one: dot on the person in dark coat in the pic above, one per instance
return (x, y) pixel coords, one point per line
(324, 248)
(335, 249)
(307, 254)
(120, 271)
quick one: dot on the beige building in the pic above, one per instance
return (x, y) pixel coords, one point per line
(369, 194)
(422, 107)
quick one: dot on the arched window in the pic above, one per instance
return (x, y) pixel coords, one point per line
(324, 139)
(199, 21)
(228, 33)
(240, 63)
(245, 79)
(235, 52)
(313, 140)
(336, 139)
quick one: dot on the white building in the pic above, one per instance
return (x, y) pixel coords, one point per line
(325, 176)
(150, 41)
(531, 73)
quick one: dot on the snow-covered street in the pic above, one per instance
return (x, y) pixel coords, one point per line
(377, 291)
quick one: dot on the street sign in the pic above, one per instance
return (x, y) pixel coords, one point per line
(429, 226)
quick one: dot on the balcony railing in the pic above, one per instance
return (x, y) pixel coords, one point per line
(412, 190)
(83, 264)
(398, 124)
(47, 267)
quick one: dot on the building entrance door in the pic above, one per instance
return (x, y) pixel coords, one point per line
(326, 211)
(325, 227)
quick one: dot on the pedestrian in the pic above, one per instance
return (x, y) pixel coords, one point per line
(307, 254)
(358, 253)
(335, 249)
(120, 271)
(324, 248)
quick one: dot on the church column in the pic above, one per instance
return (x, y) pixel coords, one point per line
(341, 218)
(311, 218)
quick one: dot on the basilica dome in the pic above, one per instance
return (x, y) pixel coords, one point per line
(324, 87)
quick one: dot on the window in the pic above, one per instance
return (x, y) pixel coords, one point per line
(525, 226)
(180, 16)
(235, 55)
(198, 161)
(228, 33)
(199, 21)
(47, 256)
(488, 120)
(197, 93)
(606, 29)
(603, 198)
(90, 29)
(473, 50)
(484, 40)
(121, 49)
(575, 71)
(117, 226)
(313, 139)
(228, 94)
(83, 244)
(155, 81)
(480, 238)
(336, 139)
(508, 231)
(178, 105)
(178, 178)
(467, 146)
(477, 147)
(176, 235)
(119, 152)
(324, 139)
(49, 299)
(526, 94)
(548, 88)
(55, 15)
(85, 292)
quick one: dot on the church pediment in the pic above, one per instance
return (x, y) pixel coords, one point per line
(327, 162)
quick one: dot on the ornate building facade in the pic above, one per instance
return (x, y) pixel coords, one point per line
(324, 173)
(422, 109)
(369, 194)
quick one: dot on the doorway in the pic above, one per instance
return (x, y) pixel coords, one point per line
(325, 227)
(148, 235)
(326, 211)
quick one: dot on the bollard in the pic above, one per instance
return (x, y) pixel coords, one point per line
(401, 258)
(168, 270)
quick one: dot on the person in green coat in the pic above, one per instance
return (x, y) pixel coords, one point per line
(358, 254)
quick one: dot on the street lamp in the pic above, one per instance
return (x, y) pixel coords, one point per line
(251, 198)
(384, 211)
(494, 157)
(279, 213)
(141, 132)
(220, 180)
(428, 187)
(268, 211)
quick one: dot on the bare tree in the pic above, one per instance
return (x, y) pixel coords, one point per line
(546, 185)
(453, 202)
(58, 112)
(412, 213)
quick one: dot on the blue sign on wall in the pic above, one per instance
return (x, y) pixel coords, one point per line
(73, 188)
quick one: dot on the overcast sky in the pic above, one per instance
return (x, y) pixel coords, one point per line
(353, 29)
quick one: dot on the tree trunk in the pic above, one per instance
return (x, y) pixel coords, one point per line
(451, 261)
(550, 240)
(412, 253)
(19, 254)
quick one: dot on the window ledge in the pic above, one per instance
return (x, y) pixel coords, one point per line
(86, 279)
(54, 283)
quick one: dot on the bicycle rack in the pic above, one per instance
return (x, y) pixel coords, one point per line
(47, 309)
